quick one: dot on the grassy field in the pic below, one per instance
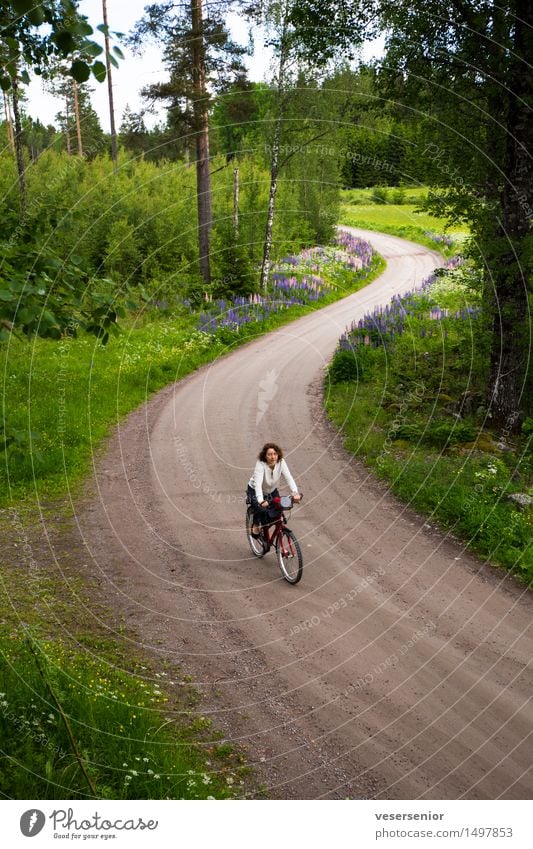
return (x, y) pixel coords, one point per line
(385, 194)
(391, 215)
(404, 219)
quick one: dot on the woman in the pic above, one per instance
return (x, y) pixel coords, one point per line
(262, 487)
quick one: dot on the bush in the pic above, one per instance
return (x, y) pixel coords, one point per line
(353, 365)
(380, 195)
(398, 196)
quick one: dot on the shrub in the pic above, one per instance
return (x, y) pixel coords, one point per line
(380, 195)
(352, 365)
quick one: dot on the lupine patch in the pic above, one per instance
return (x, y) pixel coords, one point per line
(292, 283)
(415, 310)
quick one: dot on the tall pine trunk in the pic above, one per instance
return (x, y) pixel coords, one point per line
(509, 391)
(274, 160)
(110, 87)
(201, 127)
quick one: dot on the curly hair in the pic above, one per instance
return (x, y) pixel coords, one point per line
(264, 449)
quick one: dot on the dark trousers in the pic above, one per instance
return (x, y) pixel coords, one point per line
(262, 515)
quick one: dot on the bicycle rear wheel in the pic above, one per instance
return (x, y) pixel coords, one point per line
(289, 556)
(256, 545)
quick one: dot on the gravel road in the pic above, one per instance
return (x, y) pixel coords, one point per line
(398, 668)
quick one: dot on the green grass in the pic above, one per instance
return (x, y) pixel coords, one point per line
(387, 194)
(402, 221)
(453, 485)
(359, 209)
(398, 216)
(73, 726)
(398, 411)
(70, 394)
(84, 709)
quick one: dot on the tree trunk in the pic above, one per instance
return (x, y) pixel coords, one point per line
(274, 162)
(18, 144)
(110, 88)
(236, 205)
(274, 168)
(67, 121)
(201, 131)
(9, 123)
(509, 391)
(77, 117)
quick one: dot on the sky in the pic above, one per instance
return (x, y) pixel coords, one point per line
(135, 72)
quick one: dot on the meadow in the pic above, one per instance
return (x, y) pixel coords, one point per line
(398, 211)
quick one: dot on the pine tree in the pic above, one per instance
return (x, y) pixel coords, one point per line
(199, 55)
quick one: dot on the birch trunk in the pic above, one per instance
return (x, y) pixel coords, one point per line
(67, 122)
(274, 168)
(18, 144)
(236, 205)
(77, 118)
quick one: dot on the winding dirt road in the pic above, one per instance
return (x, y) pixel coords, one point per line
(398, 668)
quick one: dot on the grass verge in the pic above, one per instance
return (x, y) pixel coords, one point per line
(85, 711)
(407, 388)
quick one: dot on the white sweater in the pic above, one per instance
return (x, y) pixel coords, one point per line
(265, 480)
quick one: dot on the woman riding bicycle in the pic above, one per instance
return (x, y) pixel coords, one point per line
(262, 487)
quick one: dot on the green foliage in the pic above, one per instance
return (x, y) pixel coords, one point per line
(42, 295)
(527, 426)
(380, 195)
(232, 272)
(357, 365)
(136, 224)
(23, 39)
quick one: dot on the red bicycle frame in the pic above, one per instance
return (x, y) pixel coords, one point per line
(272, 532)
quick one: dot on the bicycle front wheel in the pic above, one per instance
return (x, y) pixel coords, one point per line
(256, 545)
(289, 556)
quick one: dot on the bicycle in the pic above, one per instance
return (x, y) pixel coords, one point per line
(277, 534)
